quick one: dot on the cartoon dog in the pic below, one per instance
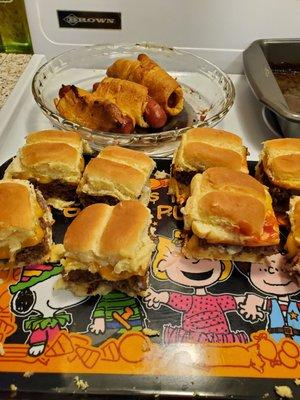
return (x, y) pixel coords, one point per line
(34, 296)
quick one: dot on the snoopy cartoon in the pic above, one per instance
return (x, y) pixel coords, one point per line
(34, 296)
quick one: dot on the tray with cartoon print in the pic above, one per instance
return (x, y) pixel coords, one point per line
(207, 328)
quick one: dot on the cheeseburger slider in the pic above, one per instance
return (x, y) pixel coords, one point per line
(116, 174)
(108, 248)
(202, 148)
(25, 223)
(53, 162)
(293, 241)
(279, 169)
(229, 217)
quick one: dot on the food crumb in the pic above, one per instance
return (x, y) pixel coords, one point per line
(56, 252)
(150, 332)
(28, 374)
(266, 395)
(81, 384)
(161, 174)
(13, 387)
(2, 351)
(284, 391)
(152, 230)
(297, 381)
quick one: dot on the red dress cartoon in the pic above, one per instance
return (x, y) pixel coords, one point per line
(203, 319)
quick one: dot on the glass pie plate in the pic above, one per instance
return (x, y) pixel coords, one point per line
(208, 92)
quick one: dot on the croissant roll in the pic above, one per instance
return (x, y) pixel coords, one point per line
(130, 97)
(161, 86)
(79, 106)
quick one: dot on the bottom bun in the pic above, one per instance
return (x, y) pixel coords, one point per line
(200, 249)
(59, 204)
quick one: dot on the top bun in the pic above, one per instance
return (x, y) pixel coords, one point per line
(230, 207)
(115, 236)
(281, 162)
(19, 215)
(49, 155)
(117, 172)
(202, 148)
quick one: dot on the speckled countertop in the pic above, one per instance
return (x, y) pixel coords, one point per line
(11, 68)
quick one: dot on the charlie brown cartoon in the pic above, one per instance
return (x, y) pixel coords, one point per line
(203, 314)
(281, 310)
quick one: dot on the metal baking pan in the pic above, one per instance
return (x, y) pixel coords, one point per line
(259, 59)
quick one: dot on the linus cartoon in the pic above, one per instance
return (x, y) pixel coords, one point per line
(276, 304)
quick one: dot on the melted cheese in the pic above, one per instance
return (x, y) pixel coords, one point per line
(38, 231)
(26, 176)
(36, 239)
(4, 252)
(108, 274)
(31, 241)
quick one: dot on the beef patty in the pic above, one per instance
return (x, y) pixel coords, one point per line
(92, 281)
(184, 177)
(57, 189)
(86, 199)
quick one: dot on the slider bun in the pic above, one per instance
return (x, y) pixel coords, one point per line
(16, 208)
(19, 215)
(106, 177)
(226, 179)
(133, 158)
(71, 138)
(233, 209)
(46, 161)
(202, 148)
(281, 162)
(115, 236)
(227, 206)
(193, 249)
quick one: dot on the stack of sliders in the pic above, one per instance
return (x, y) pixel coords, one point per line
(25, 224)
(229, 216)
(52, 161)
(202, 148)
(279, 169)
(116, 174)
(293, 241)
(108, 248)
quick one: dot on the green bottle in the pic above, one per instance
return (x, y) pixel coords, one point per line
(14, 30)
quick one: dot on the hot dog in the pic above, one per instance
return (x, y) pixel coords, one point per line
(154, 114)
(81, 107)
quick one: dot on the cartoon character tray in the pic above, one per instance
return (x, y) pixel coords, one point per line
(222, 330)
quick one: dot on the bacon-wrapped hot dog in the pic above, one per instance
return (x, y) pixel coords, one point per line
(81, 107)
(162, 87)
(133, 100)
